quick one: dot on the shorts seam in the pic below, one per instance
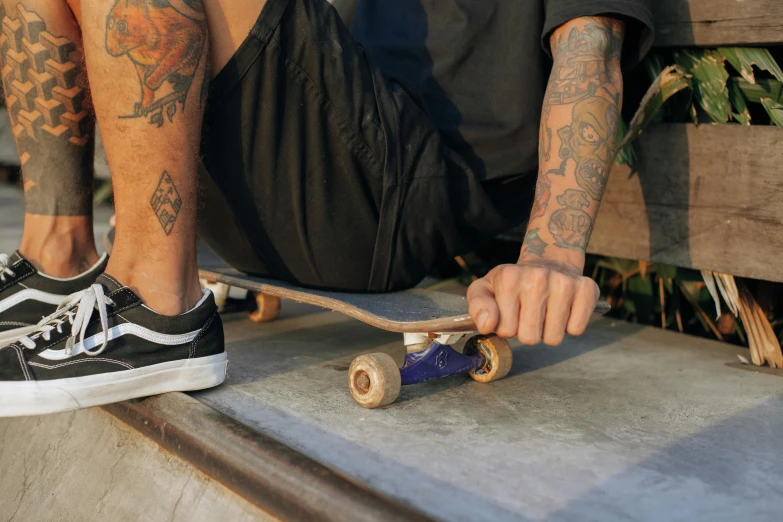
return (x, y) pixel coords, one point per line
(349, 136)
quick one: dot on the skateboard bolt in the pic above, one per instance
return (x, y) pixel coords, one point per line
(362, 382)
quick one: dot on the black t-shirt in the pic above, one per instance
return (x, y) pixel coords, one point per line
(481, 66)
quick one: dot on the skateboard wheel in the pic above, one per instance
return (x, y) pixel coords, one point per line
(497, 357)
(374, 380)
(268, 308)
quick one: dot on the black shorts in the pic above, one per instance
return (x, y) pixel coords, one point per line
(327, 174)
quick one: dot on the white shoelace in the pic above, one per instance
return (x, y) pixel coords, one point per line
(4, 270)
(77, 310)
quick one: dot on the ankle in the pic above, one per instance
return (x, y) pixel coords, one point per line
(59, 246)
(167, 294)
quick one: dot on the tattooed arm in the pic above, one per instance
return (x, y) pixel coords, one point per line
(544, 295)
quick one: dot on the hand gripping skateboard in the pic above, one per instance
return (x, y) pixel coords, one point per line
(431, 323)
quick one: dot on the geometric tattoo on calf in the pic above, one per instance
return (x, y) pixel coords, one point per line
(166, 203)
(165, 40)
(533, 243)
(571, 226)
(49, 110)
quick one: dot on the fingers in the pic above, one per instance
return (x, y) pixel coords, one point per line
(562, 289)
(482, 306)
(532, 302)
(582, 306)
(532, 294)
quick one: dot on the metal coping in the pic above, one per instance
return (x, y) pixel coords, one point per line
(266, 472)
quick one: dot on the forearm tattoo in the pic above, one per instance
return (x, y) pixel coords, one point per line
(534, 244)
(166, 41)
(586, 81)
(49, 109)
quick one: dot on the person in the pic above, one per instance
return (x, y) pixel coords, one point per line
(351, 160)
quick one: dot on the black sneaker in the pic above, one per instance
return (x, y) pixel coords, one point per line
(26, 295)
(103, 345)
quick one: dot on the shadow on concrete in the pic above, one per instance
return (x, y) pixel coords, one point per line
(532, 358)
(732, 470)
(312, 338)
(385, 473)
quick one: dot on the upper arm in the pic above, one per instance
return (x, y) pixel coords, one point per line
(599, 36)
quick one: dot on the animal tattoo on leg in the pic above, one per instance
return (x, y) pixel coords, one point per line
(165, 40)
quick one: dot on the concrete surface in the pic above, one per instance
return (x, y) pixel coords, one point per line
(88, 466)
(625, 423)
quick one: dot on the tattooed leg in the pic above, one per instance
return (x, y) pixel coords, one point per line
(147, 60)
(52, 121)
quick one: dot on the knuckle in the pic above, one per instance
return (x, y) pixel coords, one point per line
(537, 279)
(508, 275)
(563, 282)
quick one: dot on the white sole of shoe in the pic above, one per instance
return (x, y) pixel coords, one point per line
(41, 397)
(9, 336)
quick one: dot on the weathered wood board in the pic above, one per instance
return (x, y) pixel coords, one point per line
(712, 23)
(707, 197)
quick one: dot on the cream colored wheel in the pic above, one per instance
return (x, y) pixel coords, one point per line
(497, 357)
(268, 308)
(374, 380)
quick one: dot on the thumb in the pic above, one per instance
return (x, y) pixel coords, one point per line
(482, 306)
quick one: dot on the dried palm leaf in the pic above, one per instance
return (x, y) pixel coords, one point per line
(709, 280)
(728, 289)
(764, 346)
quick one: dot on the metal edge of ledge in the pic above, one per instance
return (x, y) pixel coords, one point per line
(266, 472)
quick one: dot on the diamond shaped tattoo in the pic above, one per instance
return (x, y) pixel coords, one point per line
(166, 203)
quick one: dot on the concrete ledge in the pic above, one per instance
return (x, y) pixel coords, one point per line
(86, 465)
(266, 472)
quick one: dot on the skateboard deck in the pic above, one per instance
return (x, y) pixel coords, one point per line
(411, 311)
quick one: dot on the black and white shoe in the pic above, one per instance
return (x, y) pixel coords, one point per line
(26, 295)
(103, 346)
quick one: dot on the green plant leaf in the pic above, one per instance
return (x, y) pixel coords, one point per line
(774, 109)
(666, 271)
(737, 99)
(669, 82)
(625, 154)
(709, 82)
(625, 267)
(640, 291)
(763, 88)
(689, 276)
(744, 58)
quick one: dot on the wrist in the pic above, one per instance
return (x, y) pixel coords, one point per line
(570, 259)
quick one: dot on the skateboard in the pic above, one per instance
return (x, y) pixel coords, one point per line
(431, 323)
